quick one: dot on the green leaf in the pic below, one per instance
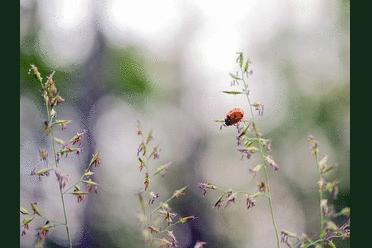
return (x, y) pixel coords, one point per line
(246, 66)
(233, 92)
(162, 168)
(241, 60)
(27, 221)
(235, 76)
(61, 122)
(35, 208)
(89, 182)
(60, 141)
(23, 211)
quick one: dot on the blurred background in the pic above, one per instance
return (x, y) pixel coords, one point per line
(165, 63)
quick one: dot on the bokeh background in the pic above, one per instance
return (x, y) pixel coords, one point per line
(165, 63)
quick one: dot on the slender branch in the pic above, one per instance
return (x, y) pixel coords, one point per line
(56, 165)
(264, 164)
(320, 194)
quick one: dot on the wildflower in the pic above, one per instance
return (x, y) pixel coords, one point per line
(47, 128)
(139, 128)
(200, 244)
(147, 181)
(23, 211)
(323, 166)
(141, 200)
(267, 144)
(50, 82)
(43, 154)
(169, 216)
(43, 232)
(40, 173)
(313, 145)
(329, 237)
(88, 173)
(249, 201)
(255, 170)
(149, 137)
(163, 243)
(77, 138)
(322, 184)
(153, 196)
(155, 152)
(218, 203)
(154, 229)
(204, 186)
(259, 107)
(186, 219)
(345, 212)
(231, 198)
(62, 123)
(95, 160)
(79, 194)
(285, 235)
(91, 186)
(35, 208)
(61, 142)
(261, 187)
(241, 131)
(62, 178)
(344, 230)
(68, 150)
(271, 162)
(142, 147)
(306, 237)
(239, 58)
(324, 206)
(335, 190)
(36, 72)
(245, 152)
(163, 170)
(142, 164)
(26, 222)
(57, 100)
(178, 193)
(174, 241)
(256, 130)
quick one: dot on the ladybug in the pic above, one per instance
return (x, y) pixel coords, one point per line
(234, 117)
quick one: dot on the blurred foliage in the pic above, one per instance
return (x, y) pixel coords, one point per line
(121, 72)
(125, 73)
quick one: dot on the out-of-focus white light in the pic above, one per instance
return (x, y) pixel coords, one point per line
(146, 19)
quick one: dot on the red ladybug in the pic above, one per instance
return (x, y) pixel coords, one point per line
(234, 116)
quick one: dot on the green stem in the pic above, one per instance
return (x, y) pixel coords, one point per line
(60, 189)
(56, 164)
(81, 178)
(320, 195)
(264, 166)
(271, 206)
(149, 220)
(313, 243)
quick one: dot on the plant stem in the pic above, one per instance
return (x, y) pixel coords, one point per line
(264, 166)
(56, 164)
(320, 195)
(149, 220)
(271, 206)
(60, 189)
